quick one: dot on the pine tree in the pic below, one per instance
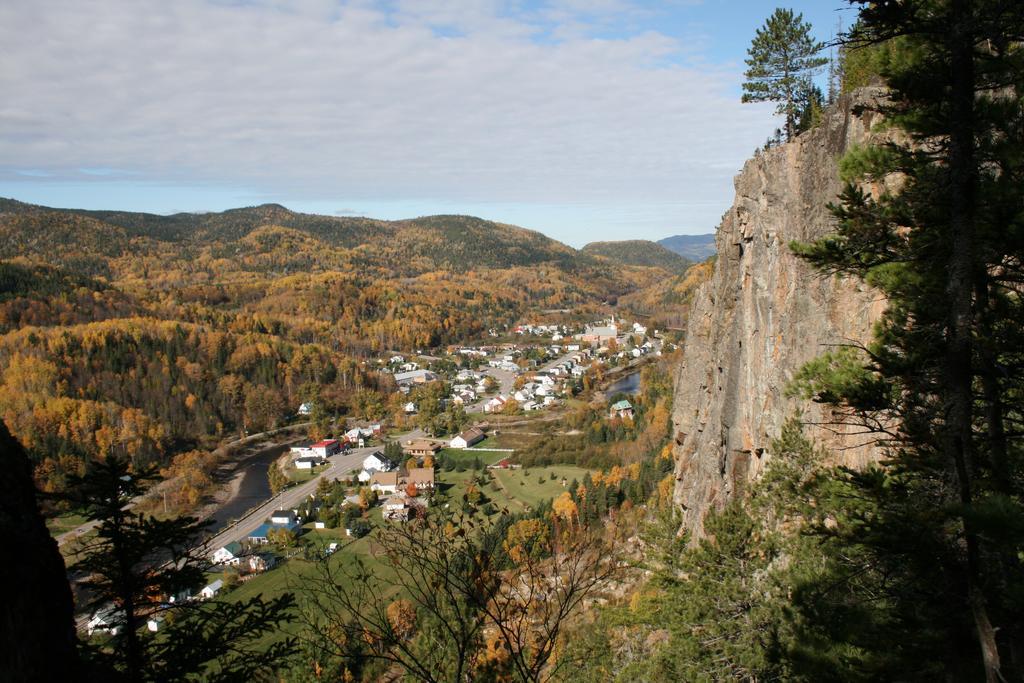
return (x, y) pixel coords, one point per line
(139, 566)
(941, 383)
(780, 64)
(393, 451)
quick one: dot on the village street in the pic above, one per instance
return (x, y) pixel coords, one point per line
(506, 381)
(339, 467)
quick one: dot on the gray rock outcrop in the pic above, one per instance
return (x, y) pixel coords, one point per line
(765, 313)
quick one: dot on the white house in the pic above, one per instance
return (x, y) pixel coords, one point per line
(301, 452)
(284, 517)
(377, 461)
(211, 590)
(155, 623)
(305, 409)
(399, 507)
(469, 437)
(309, 463)
(495, 405)
(229, 554)
(396, 507)
(410, 408)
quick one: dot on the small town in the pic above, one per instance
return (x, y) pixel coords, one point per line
(336, 489)
(491, 341)
(374, 473)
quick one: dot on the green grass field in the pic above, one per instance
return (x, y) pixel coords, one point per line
(297, 476)
(297, 575)
(291, 574)
(511, 489)
(528, 489)
(463, 457)
(515, 490)
(64, 523)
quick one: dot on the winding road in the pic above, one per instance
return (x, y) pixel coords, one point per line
(338, 467)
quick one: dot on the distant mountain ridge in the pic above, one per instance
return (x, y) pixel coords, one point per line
(693, 247)
(453, 274)
(419, 244)
(639, 253)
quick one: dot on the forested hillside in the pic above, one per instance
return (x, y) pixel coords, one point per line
(352, 283)
(639, 253)
(152, 335)
(667, 303)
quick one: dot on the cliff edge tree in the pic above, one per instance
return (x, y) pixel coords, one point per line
(138, 567)
(780, 64)
(942, 383)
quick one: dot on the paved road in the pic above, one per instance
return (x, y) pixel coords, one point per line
(506, 380)
(339, 467)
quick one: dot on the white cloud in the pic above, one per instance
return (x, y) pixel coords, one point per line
(442, 100)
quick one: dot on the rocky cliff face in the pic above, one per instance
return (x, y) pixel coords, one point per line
(763, 314)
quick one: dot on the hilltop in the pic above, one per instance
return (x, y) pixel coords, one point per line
(358, 282)
(693, 247)
(416, 245)
(639, 253)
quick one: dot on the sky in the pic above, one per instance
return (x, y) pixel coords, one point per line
(584, 119)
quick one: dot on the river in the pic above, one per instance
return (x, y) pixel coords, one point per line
(630, 384)
(253, 490)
